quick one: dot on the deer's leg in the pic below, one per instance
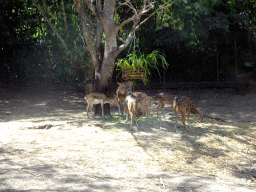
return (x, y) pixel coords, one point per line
(87, 109)
(144, 108)
(188, 114)
(133, 117)
(158, 106)
(126, 116)
(125, 111)
(136, 122)
(102, 108)
(162, 107)
(122, 108)
(94, 111)
(183, 115)
(131, 114)
(131, 121)
(149, 108)
(90, 109)
(176, 114)
(147, 112)
(119, 108)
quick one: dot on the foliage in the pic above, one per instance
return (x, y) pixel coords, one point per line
(153, 60)
(195, 36)
(66, 64)
(18, 22)
(199, 35)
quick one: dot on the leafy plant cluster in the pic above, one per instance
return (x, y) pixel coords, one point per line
(135, 60)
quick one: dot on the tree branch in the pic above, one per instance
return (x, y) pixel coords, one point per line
(52, 27)
(147, 6)
(64, 15)
(160, 7)
(137, 14)
(131, 6)
(120, 39)
(129, 37)
(99, 27)
(81, 11)
(92, 8)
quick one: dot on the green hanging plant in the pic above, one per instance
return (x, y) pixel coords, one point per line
(136, 60)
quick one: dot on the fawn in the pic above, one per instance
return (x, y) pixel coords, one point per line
(163, 99)
(184, 105)
(149, 102)
(121, 92)
(142, 101)
(145, 105)
(99, 98)
(131, 107)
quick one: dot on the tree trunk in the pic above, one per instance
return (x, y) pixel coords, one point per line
(110, 53)
(105, 80)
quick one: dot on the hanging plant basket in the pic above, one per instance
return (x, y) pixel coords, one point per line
(132, 74)
(137, 66)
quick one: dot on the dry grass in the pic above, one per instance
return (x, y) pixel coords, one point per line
(68, 139)
(213, 148)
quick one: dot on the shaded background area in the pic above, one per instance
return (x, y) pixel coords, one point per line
(211, 41)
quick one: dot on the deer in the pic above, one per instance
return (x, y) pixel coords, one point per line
(99, 98)
(184, 106)
(145, 104)
(163, 99)
(121, 94)
(131, 106)
(149, 102)
(142, 101)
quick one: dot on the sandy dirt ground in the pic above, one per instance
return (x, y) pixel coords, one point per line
(48, 144)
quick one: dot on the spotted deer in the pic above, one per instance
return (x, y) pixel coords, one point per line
(149, 102)
(99, 98)
(163, 99)
(121, 94)
(184, 106)
(142, 102)
(131, 106)
(145, 104)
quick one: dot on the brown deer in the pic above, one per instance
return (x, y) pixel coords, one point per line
(145, 104)
(163, 99)
(99, 98)
(142, 101)
(149, 102)
(184, 105)
(121, 92)
(131, 106)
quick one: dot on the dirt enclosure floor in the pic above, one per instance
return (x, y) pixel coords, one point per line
(47, 143)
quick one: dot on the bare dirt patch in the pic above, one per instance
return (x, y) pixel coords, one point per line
(48, 143)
